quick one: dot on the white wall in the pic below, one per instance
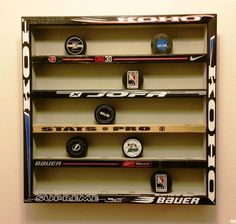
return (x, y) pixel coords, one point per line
(12, 208)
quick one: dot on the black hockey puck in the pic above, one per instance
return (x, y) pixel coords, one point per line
(161, 182)
(161, 44)
(105, 114)
(75, 45)
(132, 147)
(77, 147)
(132, 80)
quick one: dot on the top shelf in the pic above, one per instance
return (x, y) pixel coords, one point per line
(170, 58)
(122, 20)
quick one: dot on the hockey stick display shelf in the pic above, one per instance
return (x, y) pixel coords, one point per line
(120, 109)
(118, 93)
(55, 59)
(59, 162)
(163, 128)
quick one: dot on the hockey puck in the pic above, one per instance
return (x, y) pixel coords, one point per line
(132, 80)
(161, 182)
(161, 44)
(75, 45)
(104, 114)
(77, 147)
(132, 147)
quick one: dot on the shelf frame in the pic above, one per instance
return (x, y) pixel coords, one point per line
(29, 23)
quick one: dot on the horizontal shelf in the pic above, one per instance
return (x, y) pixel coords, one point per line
(60, 59)
(185, 198)
(120, 20)
(132, 163)
(173, 146)
(115, 180)
(119, 93)
(162, 128)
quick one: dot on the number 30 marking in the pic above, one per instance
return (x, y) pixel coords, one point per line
(108, 59)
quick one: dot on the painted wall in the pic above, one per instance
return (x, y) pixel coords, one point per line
(12, 208)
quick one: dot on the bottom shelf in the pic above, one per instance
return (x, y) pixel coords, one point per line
(121, 198)
(123, 185)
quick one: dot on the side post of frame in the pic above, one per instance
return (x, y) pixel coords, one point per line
(27, 110)
(211, 110)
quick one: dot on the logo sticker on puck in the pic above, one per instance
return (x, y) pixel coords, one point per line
(161, 44)
(132, 80)
(75, 45)
(104, 114)
(132, 148)
(77, 147)
(161, 182)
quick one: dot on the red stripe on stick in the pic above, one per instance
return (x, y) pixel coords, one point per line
(148, 59)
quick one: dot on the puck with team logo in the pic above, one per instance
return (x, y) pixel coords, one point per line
(105, 114)
(132, 80)
(161, 44)
(161, 182)
(77, 146)
(75, 45)
(132, 147)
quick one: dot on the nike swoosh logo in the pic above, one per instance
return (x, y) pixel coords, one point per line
(195, 58)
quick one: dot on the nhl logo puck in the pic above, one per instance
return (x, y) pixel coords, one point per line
(132, 80)
(104, 114)
(161, 44)
(75, 45)
(77, 147)
(132, 147)
(161, 182)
